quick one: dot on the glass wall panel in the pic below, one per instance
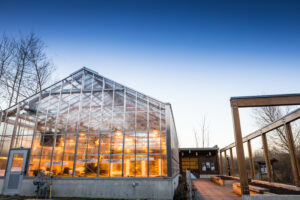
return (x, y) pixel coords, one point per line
(91, 165)
(164, 165)
(141, 143)
(154, 142)
(163, 143)
(34, 165)
(105, 143)
(141, 121)
(129, 143)
(117, 143)
(82, 144)
(56, 165)
(93, 144)
(80, 165)
(45, 164)
(129, 165)
(3, 161)
(155, 165)
(141, 165)
(116, 165)
(104, 161)
(70, 141)
(67, 167)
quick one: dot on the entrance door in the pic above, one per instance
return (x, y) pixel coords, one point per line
(15, 171)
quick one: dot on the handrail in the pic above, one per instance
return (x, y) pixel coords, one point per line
(292, 116)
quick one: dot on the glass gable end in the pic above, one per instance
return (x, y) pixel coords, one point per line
(88, 126)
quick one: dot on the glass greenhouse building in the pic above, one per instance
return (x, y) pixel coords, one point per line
(89, 130)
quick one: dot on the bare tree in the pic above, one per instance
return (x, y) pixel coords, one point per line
(6, 53)
(203, 132)
(196, 137)
(27, 71)
(266, 115)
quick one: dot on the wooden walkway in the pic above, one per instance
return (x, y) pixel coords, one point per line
(210, 191)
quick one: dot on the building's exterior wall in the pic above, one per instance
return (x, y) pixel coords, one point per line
(89, 127)
(116, 188)
(172, 143)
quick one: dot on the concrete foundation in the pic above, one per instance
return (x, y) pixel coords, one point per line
(113, 188)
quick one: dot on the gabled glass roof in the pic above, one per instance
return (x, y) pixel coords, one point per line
(92, 81)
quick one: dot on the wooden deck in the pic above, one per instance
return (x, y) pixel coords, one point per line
(210, 191)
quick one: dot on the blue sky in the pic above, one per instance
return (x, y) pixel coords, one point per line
(193, 54)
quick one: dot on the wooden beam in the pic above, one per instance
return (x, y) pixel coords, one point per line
(267, 158)
(221, 163)
(292, 153)
(232, 163)
(251, 163)
(267, 100)
(240, 150)
(280, 122)
(226, 164)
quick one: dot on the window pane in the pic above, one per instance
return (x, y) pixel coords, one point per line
(93, 144)
(34, 165)
(155, 165)
(45, 164)
(163, 143)
(104, 165)
(164, 165)
(17, 162)
(70, 144)
(91, 165)
(116, 165)
(82, 144)
(141, 166)
(154, 142)
(129, 143)
(3, 161)
(67, 169)
(59, 145)
(141, 143)
(47, 144)
(105, 144)
(141, 121)
(117, 143)
(80, 165)
(56, 165)
(129, 165)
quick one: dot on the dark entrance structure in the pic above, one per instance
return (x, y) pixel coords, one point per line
(200, 161)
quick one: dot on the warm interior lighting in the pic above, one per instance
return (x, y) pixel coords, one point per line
(97, 142)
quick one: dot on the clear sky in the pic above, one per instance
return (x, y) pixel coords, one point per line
(193, 54)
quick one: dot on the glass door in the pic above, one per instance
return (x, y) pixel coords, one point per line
(15, 171)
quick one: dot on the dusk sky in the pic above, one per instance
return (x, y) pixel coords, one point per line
(193, 54)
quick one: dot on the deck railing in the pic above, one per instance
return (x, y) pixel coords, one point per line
(283, 123)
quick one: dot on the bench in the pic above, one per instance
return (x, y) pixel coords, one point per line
(252, 189)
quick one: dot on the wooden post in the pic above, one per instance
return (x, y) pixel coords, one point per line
(218, 163)
(292, 152)
(251, 163)
(226, 164)
(221, 164)
(232, 163)
(267, 157)
(239, 149)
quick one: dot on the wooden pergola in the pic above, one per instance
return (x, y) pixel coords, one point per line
(261, 101)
